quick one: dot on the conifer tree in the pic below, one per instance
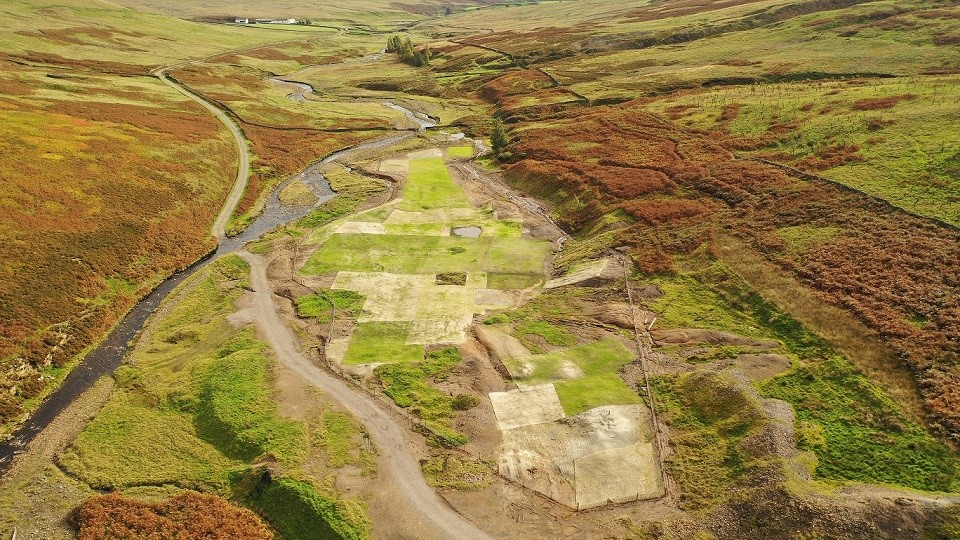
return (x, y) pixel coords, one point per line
(499, 138)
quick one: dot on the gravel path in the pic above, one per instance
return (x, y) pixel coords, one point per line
(395, 455)
(243, 171)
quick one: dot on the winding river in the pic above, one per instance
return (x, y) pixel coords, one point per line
(107, 357)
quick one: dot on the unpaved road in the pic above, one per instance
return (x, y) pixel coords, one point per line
(396, 456)
(243, 171)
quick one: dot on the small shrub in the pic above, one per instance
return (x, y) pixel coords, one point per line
(463, 402)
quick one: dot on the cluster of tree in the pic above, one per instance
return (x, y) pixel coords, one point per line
(409, 55)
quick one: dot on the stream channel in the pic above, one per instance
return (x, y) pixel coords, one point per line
(107, 357)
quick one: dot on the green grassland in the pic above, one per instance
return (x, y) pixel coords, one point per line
(905, 151)
(853, 427)
(429, 186)
(368, 15)
(248, 92)
(129, 444)
(451, 471)
(510, 281)
(460, 151)
(321, 306)
(376, 342)
(430, 189)
(351, 189)
(731, 57)
(193, 409)
(708, 419)
(97, 31)
(552, 334)
(337, 434)
(405, 254)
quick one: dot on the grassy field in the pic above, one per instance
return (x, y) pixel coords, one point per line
(708, 419)
(414, 288)
(376, 342)
(129, 444)
(879, 29)
(366, 15)
(194, 410)
(894, 132)
(632, 119)
(407, 254)
(429, 186)
(104, 36)
(321, 306)
(408, 384)
(450, 471)
(460, 151)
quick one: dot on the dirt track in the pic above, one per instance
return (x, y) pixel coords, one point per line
(395, 455)
(243, 170)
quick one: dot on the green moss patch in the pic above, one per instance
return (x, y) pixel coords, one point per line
(408, 385)
(321, 306)
(452, 278)
(552, 334)
(708, 418)
(513, 281)
(130, 444)
(601, 384)
(340, 438)
(299, 511)
(235, 412)
(450, 471)
(465, 151)
(852, 425)
(858, 432)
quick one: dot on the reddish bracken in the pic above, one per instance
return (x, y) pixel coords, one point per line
(188, 516)
(885, 266)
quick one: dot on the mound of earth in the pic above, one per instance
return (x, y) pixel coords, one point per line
(691, 336)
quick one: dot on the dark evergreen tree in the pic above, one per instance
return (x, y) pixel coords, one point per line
(499, 138)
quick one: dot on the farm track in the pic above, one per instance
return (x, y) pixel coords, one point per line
(385, 431)
(218, 230)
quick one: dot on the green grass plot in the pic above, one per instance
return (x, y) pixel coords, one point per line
(600, 383)
(465, 151)
(429, 185)
(381, 342)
